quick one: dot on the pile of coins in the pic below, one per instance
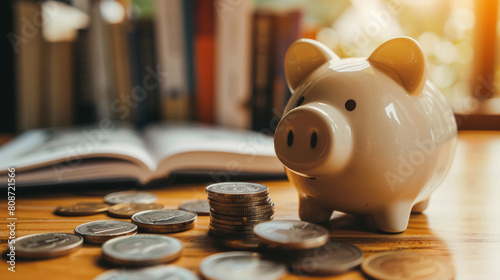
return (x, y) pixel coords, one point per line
(235, 208)
(241, 216)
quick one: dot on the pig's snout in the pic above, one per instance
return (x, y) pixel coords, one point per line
(313, 139)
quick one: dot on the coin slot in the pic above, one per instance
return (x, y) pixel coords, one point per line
(314, 140)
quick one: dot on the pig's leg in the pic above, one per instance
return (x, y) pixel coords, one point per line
(311, 210)
(420, 206)
(393, 218)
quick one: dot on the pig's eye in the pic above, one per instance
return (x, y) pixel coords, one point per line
(301, 100)
(350, 105)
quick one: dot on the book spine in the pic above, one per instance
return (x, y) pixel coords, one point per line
(287, 30)
(84, 104)
(138, 89)
(150, 75)
(8, 118)
(188, 11)
(59, 83)
(262, 70)
(28, 64)
(171, 52)
(100, 67)
(122, 102)
(205, 58)
(233, 49)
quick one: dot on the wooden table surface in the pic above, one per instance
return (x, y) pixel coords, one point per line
(462, 223)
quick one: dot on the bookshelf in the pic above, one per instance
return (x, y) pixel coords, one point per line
(142, 61)
(212, 61)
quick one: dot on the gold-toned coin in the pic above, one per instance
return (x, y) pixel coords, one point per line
(407, 265)
(127, 210)
(82, 209)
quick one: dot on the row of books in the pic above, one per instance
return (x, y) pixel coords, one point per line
(212, 61)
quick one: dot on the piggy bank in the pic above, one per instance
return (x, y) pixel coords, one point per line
(368, 136)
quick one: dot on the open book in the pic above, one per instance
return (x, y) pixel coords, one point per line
(117, 151)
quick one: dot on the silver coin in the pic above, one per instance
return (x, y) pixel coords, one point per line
(100, 231)
(200, 207)
(291, 234)
(334, 257)
(237, 189)
(169, 220)
(130, 197)
(159, 272)
(142, 249)
(240, 265)
(47, 245)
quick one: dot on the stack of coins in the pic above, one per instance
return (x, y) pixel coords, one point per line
(236, 207)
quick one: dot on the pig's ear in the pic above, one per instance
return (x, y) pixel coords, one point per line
(404, 61)
(302, 58)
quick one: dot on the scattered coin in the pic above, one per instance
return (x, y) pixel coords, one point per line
(47, 245)
(159, 272)
(165, 220)
(99, 232)
(82, 209)
(141, 250)
(291, 234)
(236, 207)
(236, 190)
(407, 265)
(130, 197)
(127, 210)
(240, 265)
(200, 207)
(334, 257)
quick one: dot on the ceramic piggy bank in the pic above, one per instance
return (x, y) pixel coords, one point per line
(366, 136)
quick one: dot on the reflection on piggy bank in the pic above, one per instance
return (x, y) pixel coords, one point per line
(366, 136)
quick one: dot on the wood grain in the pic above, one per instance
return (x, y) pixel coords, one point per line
(462, 223)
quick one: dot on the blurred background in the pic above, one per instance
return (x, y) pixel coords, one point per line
(220, 61)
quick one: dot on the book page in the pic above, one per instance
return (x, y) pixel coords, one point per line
(167, 139)
(39, 148)
(208, 147)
